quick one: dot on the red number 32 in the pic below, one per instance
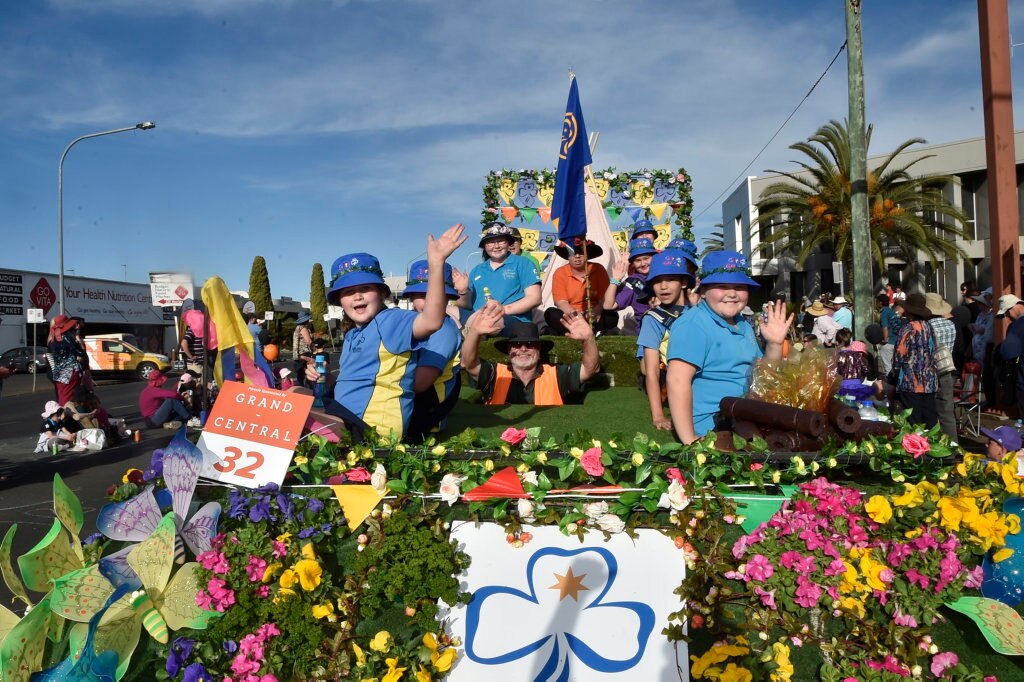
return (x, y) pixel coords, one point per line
(233, 454)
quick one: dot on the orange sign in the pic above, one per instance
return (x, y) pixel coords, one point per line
(251, 434)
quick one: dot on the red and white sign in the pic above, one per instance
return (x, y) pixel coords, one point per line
(42, 295)
(170, 288)
(251, 433)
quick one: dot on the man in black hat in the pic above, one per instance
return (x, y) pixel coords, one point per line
(571, 284)
(527, 379)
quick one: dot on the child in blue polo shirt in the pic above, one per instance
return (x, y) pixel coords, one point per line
(504, 277)
(437, 379)
(377, 372)
(669, 280)
(712, 350)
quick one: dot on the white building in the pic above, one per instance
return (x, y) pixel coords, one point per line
(964, 159)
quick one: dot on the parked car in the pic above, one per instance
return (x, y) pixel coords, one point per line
(107, 355)
(20, 359)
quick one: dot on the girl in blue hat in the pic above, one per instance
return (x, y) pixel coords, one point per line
(669, 280)
(712, 350)
(629, 280)
(376, 376)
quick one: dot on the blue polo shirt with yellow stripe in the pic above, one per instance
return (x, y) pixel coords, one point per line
(723, 353)
(441, 350)
(375, 378)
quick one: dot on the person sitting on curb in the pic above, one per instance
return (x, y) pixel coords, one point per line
(527, 379)
(54, 434)
(1001, 442)
(158, 405)
(570, 287)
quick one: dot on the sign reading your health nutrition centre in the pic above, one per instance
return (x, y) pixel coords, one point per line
(251, 433)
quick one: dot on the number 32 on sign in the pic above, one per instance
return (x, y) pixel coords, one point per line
(251, 434)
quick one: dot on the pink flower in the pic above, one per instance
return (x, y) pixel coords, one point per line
(904, 620)
(915, 445)
(513, 436)
(943, 662)
(767, 597)
(760, 568)
(256, 568)
(241, 665)
(756, 466)
(263, 591)
(591, 461)
(674, 474)
(280, 549)
(358, 475)
(807, 593)
(214, 561)
(268, 630)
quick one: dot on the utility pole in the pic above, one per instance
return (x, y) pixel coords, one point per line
(860, 232)
(1000, 156)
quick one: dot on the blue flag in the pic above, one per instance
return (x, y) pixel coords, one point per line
(568, 208)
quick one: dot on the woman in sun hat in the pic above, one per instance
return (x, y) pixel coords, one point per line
(913, 363)
(69, 358)
(824, 327)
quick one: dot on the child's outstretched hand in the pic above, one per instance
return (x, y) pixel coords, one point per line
(446, 244)
(775, 328)
(489, 320)
(460, 279)
(621, 267)
(576, 326)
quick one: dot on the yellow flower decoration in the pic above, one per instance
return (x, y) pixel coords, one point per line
(735, 673)
(422, 675)
(910, 498)
(784, 672)
(1002, 555)
(324, 610)
(308, 552)
(288, 579)
(284, 537)
(271, 569)
(309, 572)
(438, 451)
(360, 656)
(542, 457)
(394, 673)
(128, 474)
(300, 460)
(443, 661)
(716, 654)
(637, 459)
(381, 642)
(878, 509)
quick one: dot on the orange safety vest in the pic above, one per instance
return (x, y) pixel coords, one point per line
(545, 387)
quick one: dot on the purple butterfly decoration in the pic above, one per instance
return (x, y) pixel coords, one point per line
(135, 519)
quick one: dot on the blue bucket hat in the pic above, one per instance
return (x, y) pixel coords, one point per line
(417, 281)
(641, 247)
(688, 248)
(643, 227)
(726, 267)
(669, 263)
(352, 270)
(303, 318)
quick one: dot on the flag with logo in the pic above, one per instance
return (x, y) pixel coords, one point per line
(568, 208)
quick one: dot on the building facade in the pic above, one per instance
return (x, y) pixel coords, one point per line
(965, 160)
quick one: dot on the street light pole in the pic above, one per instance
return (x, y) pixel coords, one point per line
(145, 125)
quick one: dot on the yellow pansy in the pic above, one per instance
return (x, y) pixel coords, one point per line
(716, 654)
(872, 571)
(523, 467)
(360, 656)
(430, 641)
(284, 537)
(1002, 555)
(308, 552)
(853, 605)
(1010, 480)
(300, 460)
(910, 498)
(394, 673)
(735, 673)
(878, 509)
(422, 675)
(784, 672)
(381, 642)
(950, 514)
(288, 579)
(325, 610)
(271, 569)
(283, 593)
(309, 572)
(1013, 522)
(701, 459)
(930, 489)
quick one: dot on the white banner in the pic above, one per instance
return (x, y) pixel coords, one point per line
(556, 609)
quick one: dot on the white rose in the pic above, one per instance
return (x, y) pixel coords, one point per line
(610, 523)
(529, 477)
(525, 509)
(595, 510)
(675, 497)
(379, 479)
(450, 488)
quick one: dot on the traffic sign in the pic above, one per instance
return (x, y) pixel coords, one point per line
(170, 288)
(42, 295)
(35, 315)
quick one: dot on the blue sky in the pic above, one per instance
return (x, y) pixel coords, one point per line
(302, 130)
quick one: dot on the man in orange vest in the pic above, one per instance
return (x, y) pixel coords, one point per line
(526, 379)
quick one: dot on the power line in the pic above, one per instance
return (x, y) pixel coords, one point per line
(791, 114)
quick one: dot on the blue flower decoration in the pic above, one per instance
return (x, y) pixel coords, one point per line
(548, 618)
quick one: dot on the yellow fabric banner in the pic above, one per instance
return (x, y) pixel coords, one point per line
(530, 238)
(658, 210)
(664, 235)
(602, 187)
(357, 501)
(231, 328)
(546, 193)
(621, 240)
(643, 194)
(507, 189)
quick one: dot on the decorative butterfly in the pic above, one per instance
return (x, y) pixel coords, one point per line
(21, 652)
(87, 662)
(135, 519)
(1001, 625)
(163, 603)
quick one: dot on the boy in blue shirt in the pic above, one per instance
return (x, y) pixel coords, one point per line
(712, 350)
(377, 372)
(668, 281)
(437, 377)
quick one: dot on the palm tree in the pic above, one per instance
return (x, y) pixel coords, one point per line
(810, 209)
(714, 241)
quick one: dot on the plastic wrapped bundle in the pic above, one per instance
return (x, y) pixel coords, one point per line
(805, 380)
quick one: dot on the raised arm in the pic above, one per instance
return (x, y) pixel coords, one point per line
(487, 320)
(774, 331)
(578, 328)
(438, 250)
(461, 281)
(619, 272)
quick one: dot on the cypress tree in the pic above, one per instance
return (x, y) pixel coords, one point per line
(259, 286)
(318, 298)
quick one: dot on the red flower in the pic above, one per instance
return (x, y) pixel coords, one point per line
(513, 436)
(675, 475)
(756, 466)
(915, 445)
(358, 475)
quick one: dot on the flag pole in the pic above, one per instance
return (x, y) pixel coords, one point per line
(589, 174)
